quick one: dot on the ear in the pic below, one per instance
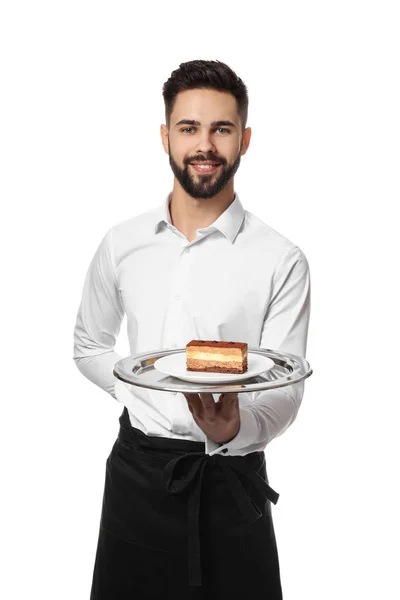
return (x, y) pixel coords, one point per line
(246, 140)
(164, 137)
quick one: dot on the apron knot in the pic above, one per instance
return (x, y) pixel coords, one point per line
(184, 471)
(184, 474)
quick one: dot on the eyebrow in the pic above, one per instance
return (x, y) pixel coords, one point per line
(213, 124)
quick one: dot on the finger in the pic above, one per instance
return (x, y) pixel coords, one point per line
(193, 398)
(229, 405)
(194, 403)
(208, 402)
(228, 398)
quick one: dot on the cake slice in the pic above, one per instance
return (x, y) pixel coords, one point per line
(216, 357)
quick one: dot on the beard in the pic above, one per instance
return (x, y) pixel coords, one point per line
(205, 185)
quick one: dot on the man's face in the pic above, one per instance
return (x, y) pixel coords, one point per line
(204, 141)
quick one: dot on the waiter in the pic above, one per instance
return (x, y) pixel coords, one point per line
(187, 505)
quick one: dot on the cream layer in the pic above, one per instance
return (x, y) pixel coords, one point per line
(214, 356)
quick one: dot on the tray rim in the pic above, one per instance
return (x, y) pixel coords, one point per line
(300, 370)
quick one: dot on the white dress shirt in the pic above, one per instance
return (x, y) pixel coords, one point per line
(239, 280)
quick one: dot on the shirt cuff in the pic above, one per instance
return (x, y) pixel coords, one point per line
(211, 446)
(244, 437)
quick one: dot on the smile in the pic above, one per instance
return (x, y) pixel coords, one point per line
(207, 168)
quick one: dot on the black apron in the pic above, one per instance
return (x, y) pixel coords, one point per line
(178, 523)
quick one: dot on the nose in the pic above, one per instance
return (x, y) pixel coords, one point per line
(205, 143)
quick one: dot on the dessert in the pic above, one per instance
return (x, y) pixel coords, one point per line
(216, 357)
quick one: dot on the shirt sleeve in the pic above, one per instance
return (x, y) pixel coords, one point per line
(285, 329)
(99, 318)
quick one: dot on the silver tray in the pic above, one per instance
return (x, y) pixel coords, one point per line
(138, 370)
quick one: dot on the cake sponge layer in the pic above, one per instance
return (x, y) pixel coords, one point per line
(214, 367)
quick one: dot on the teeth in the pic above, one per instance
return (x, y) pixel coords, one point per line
(205, 167)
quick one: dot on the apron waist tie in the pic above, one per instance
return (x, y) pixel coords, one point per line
(184, 475)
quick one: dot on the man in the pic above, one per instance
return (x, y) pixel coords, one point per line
(187, 505)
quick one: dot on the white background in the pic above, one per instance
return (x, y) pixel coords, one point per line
(81, 107)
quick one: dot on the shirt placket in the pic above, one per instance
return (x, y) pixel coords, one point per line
(175, 330)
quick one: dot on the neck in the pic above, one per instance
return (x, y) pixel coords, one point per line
(189, 214)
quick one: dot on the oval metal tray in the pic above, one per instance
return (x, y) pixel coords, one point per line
(138, 370)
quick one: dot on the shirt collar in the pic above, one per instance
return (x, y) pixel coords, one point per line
(228, 223)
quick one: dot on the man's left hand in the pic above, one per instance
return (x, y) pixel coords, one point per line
(219, 420)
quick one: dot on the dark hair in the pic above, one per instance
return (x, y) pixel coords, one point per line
(205, 74)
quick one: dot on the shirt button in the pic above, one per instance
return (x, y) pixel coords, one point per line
(177, 297)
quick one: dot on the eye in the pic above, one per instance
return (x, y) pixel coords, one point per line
(219, 129)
